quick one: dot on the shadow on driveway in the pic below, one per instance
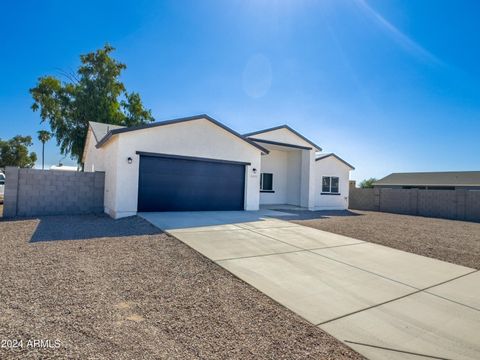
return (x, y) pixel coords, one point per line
(195, 219)
(175, 220)
(313, 215)
(84, 227)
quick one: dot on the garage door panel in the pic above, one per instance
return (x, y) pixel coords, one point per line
(167, 184)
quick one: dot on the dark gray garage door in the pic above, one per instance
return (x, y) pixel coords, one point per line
(169, 183)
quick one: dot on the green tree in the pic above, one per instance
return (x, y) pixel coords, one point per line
(44, 136)
(93, 93)
(14, 152)
(367, 183)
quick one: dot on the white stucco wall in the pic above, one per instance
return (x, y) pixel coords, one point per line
(93, 159)
(110, 160)
(331, 167)
(199, 138)
(294, 167)
(307, 179)
(293, 177)
(276, 163)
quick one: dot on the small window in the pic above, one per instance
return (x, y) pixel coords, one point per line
(334, 185)
(266, 182)
(326, 184)
(330, 185)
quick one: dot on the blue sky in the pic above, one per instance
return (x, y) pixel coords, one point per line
(387, 85)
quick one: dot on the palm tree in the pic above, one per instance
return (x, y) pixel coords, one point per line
(44, 136)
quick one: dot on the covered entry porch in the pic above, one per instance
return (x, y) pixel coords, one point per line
(286, 175)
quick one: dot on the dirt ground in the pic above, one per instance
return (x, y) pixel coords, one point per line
(457, 242)
(109, 289)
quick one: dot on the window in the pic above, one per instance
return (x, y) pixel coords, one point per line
(326, 184)
(266, 182)
(330, 185)
(2, 179)
(334, 185)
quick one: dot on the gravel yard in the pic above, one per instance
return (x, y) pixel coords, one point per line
(449, 240)
(122, 290)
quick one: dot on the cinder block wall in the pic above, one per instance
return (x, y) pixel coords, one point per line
(363, 199)
(450, 204)
(395, 200)
(472, 206)
(441, 203)
(31, 192)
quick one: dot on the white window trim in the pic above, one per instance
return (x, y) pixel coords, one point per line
(330, 185)
(261, 183)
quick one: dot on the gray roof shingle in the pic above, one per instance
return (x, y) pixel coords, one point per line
(445, 178)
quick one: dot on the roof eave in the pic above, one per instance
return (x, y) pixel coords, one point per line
(336, 157)
(105, 139)
(270, 142)
(284, 126)
(179, 120)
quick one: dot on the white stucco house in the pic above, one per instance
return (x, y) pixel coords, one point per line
(197, 163)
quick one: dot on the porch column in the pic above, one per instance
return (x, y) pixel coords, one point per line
(307, 179)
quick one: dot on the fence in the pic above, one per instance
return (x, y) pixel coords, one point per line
(449, 204)
(31, 192)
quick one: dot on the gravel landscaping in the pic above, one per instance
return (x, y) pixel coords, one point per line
(121, 289)
(457, 242)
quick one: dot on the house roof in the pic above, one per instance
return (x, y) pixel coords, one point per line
(121, 130)
(270, 142)
(289, 129)
(324, 156)
(446, 178)
(100, 130)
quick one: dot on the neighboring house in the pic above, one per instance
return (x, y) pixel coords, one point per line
(448, 180)
(197, 163)
(62, 167)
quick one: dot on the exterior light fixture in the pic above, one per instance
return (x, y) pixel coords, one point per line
(254, 170)
(129, 160)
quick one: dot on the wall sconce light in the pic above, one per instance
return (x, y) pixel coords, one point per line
(254, 170)
(129, 160)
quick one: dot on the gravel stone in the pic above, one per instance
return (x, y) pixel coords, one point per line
(453, 241)
(121, 289)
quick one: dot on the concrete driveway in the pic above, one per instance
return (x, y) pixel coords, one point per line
(382, 302)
